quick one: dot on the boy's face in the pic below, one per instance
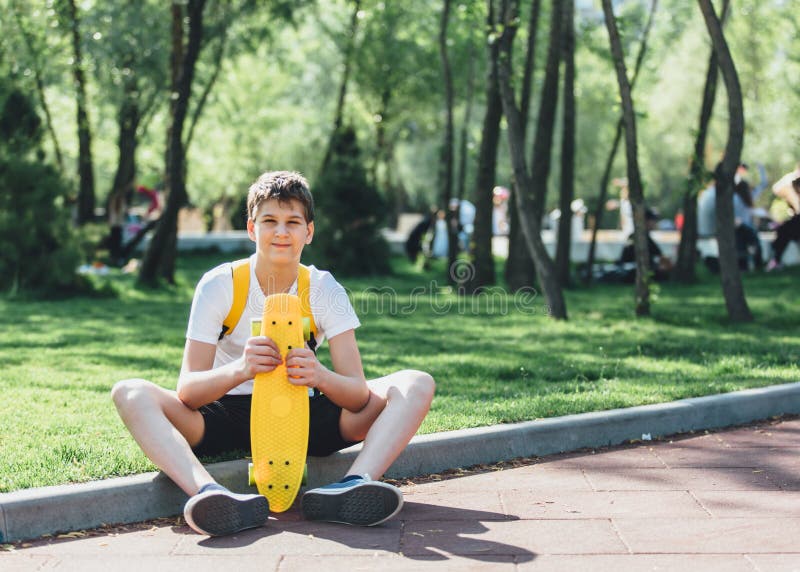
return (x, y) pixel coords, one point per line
(280, 231)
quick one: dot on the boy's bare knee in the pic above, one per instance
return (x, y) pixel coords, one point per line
(423, 386)
(417, 387)
(130, 391)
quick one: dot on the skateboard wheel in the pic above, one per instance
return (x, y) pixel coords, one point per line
(251, 477)
(304, 482)
(306, 329)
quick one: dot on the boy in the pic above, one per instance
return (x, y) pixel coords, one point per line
(210, 411)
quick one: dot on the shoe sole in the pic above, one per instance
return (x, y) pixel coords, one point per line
(220, 514)
(365, 505)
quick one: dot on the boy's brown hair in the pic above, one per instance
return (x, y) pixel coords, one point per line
(283, 186)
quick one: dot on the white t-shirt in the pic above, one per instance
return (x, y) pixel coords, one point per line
(330, 306)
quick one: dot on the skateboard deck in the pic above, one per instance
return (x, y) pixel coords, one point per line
(279, 410)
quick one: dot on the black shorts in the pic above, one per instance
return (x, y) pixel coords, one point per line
(228, 427)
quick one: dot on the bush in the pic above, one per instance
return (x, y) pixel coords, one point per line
(39, 252)
(350, 212)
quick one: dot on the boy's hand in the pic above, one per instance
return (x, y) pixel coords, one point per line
(261, 355)
(304, 368)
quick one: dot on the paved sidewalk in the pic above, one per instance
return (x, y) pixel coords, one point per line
(728, 500)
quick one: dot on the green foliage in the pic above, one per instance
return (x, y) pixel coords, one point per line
(38, 249)
(350, 212)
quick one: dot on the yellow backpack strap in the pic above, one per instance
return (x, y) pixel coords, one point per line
(304, 291)
(240, 271)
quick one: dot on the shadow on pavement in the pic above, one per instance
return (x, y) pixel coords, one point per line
(442, 532)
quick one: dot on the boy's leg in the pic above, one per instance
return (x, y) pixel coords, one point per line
(166, 429)
(398, 404)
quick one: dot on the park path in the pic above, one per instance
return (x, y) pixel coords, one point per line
(727, 500)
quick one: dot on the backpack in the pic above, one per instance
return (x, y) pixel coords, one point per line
(240, 271)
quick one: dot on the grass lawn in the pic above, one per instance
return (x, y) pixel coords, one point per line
(497, 359)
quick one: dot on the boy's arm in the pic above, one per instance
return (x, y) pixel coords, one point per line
(200, 383)
(346, 385)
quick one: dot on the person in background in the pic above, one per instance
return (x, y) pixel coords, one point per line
(783, 188)
(660, 264)
(786, 232)
(748, 245)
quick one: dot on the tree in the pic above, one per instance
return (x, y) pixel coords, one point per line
(338, 116)
(461, 179)
(159, 260)
(35, 53)
(519, 270)
(642, 289)
(395, 66)
(38, 247)
(351, 212)
(604, 179)
(529, 191)
(730, 277)
(687, 249)
(446, 168)
(487, 165)
(130, 73)
(86, 197)
(567, 147)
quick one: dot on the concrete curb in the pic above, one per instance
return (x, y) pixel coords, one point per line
(33, 512)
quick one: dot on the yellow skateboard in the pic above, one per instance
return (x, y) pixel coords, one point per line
(279, 410)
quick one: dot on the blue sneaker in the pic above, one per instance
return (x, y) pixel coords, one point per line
(353, 500)
(216, 511)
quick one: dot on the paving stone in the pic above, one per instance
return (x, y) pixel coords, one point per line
(637, 457)
(716, 535)
(155, 541)
(719, 478)
(639, 563)
(787, 479)
(398, 563)
(579, 504)
(762, 437)
(537, 476)
(727, 504)
(20, 561)
(119, 563)
(775, 562)
(434, 505)
(519, 537)
(732, 457)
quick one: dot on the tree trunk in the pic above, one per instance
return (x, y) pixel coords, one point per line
(543, 142)
(159, 260)
(643, 270)
(461, 179)
(338, 115)
(601, 196)
(530, 222)
(383, 154)
(198, 110)
(446, 165)
(519, 270)
(487, 168)
(730, 277)
(37, 74)
(567, 147)
(129, 117)
(85, 169)
(687, 249)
